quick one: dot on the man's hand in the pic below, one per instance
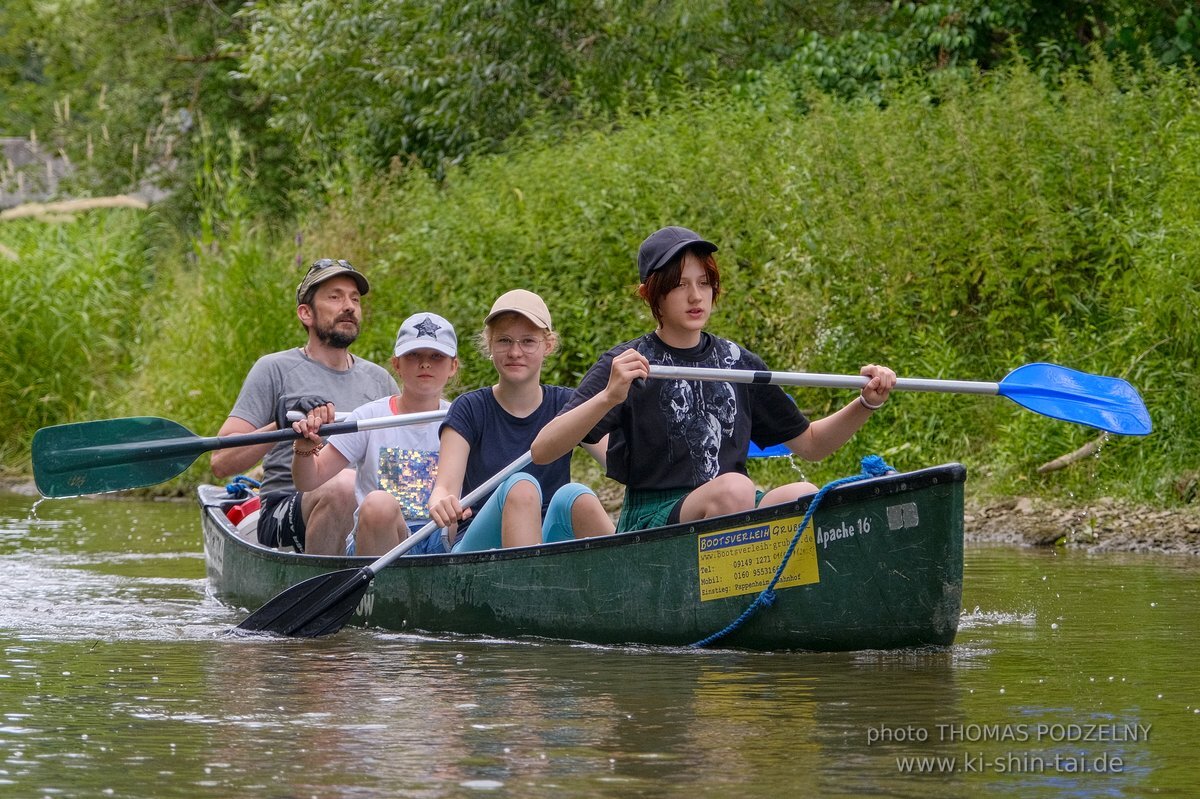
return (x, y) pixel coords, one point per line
(303, 404)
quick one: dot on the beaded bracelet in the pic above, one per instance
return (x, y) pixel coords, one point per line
(868, 405)
(307, 453)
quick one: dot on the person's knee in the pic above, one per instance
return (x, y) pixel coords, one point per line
(341, 491)
(379, 508)
(574, 512)
(727, 493)
(524, 492)
(336, 496)
(788, 493)
(732, 492)
(589, 517)
(329, 514)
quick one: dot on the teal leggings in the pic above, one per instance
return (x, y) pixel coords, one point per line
(484, 530)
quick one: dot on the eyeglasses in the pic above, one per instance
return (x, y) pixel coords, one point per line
(327, 263)
(529, 345)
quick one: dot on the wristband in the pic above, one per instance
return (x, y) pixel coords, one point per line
(869, 406)
(307, 453)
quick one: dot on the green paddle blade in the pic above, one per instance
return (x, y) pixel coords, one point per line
(115, 454)
(111, 455)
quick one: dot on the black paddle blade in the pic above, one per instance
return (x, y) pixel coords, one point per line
(96, 457)
(318, 606)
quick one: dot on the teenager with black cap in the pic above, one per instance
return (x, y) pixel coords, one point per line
(680, 446)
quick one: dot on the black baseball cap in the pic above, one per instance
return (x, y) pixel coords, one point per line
(661, 247)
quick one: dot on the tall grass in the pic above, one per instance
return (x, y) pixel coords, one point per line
(955, 234)
(70, 306)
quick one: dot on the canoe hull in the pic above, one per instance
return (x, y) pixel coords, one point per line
(880, 568)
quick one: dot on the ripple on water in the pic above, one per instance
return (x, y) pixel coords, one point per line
(979, 618)
(43, 601)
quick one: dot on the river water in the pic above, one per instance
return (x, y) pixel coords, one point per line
(1072, 675)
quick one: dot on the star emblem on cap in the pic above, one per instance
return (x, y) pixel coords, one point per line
(428, 327)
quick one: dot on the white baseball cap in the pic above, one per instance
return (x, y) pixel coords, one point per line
(427, 331)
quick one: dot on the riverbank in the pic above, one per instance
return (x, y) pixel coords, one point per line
(1103, 526)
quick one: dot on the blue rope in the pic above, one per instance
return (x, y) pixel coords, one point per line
(241, 487)
(872, 466)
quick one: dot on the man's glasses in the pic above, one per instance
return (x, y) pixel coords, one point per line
(529, 345)
(327, 263)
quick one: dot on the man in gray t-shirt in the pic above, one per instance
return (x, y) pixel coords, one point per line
(329, 305)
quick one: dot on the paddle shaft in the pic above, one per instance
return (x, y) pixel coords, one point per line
(817, 380)
(109, 454)
(1106, 403)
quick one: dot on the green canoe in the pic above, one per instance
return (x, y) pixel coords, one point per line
(880, 567)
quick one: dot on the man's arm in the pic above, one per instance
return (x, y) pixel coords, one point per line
(237, 460)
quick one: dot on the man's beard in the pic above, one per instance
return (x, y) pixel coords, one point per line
(330, 336)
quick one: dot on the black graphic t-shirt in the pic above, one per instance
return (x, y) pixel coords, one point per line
(683, 433)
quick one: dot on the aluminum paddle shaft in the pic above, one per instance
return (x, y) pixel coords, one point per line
(1106, 403)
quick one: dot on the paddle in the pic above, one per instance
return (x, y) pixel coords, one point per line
(115, 454)
(321, 605)
(1107, 403)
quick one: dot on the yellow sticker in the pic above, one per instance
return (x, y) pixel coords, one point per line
(743, 560)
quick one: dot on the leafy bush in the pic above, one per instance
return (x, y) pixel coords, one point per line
(437, 82)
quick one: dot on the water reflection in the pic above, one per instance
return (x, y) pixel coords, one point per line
(544, 717)
(117, 678)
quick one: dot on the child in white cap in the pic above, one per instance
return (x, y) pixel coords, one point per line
(396, 465)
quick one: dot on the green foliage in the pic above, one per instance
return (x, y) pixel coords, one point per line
(20, 68)
(954, 230)
(932, 38)
(219, 306)
(120, 87)
(955, 234)
(323, 91)
(69, 300)
(438, 82)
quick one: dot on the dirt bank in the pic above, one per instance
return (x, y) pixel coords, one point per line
(1102, 526)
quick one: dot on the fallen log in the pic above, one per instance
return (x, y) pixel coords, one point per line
(72, 206)
(1063, 461)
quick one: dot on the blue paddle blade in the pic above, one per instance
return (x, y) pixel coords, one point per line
(1106, 403)
(777, 451)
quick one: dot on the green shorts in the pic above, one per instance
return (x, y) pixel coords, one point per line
(646, 508)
